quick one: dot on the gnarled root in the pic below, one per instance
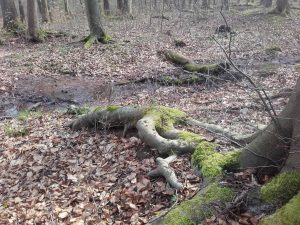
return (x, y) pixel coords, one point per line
(149, 134)
(155, 128)
(166, 171)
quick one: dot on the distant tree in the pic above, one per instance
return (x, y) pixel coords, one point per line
(266, 3)
(127, 7)
(205, 4)
(44, 10)
(10, 15)
(32, 20)
(120, 5)
(67, 7)
(282, 6)
(94, 19)
(225, 4)
(22, 12)
(106, 7)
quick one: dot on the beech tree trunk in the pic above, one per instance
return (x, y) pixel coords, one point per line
(22, 12)
(120, 5)
(9, 13)
(205, 4)
(43, 7)
(127, 7)
(277, 147)
(67, 7)
(106, 7)
(225, 4)
(32, 20)
(282, 6)
(266, 3)
(94, 19)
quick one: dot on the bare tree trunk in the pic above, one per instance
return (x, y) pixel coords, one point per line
(277, 147)
(204, 4)
(128, 7)
(120, 5)
(266, 3)
(225, 4)
(67, 8)
(190, 4)
(106, 7)
(9, 13)
(282, 6)
(43, 7)
(22, 12)
(32, 20)
(94, 19)
(183, 4)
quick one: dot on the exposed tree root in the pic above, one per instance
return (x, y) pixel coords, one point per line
(239, 138)
(155, 128)
(166, 171)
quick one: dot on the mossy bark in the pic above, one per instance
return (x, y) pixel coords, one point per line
(200, 207)
(287, 215)
(97, 32)
(191, 66)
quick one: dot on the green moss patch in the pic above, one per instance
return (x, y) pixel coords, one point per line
(25, 115)
(176, 58)
(190, 137)
(287, 215)
(165, 117)
(206, 68)
(112, 108)
(198, 208)
(213, 163)
(14, 131)
(281, 188)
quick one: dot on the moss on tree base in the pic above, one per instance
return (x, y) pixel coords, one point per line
(194, 211)
(281, 188)
(212, 163)
(287, 215)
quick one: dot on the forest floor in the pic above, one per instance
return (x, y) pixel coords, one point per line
(52, 174)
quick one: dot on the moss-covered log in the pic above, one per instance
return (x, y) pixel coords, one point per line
(191, 66)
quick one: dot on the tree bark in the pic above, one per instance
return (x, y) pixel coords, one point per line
(120, 5)
(67, 7)
(205, 4)
(94, 19)
(282, 6)
(43, 7)
(128, 7)
(106, 7)
(225, 4)
(32, 20)
(9, 13)
(277, 147)
(22, 12)
(266, 3)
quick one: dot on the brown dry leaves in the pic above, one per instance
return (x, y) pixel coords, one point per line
(54, 174)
